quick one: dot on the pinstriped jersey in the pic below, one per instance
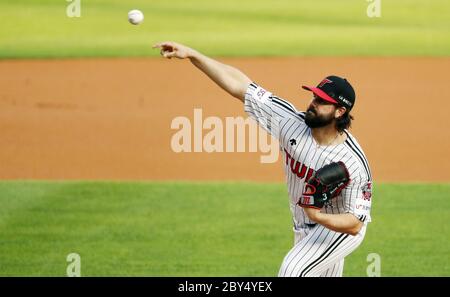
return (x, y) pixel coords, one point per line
(302, 156)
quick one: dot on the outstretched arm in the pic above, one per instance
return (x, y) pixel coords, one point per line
(227, 77)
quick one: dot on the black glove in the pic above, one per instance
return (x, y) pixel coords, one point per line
(324, 185)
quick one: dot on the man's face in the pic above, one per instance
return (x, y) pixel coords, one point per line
(320, 113)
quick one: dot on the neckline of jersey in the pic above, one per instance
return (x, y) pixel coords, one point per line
(327, 146)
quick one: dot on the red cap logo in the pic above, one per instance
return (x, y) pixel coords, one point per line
(325, 81)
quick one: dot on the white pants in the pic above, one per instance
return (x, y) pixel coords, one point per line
(319, 251)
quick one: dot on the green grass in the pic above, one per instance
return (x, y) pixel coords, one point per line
(40, 28)
(201, 229)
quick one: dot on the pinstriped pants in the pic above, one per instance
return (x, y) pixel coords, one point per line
(319, 252)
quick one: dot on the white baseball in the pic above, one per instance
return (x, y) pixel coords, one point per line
(135, 17)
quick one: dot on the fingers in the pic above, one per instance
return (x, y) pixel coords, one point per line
(163, 44)
(157, 45)
(169, 49)
(169, 55)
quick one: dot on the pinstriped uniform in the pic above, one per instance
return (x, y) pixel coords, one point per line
(318, 251)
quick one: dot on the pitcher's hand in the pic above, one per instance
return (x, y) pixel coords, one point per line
(174, 50)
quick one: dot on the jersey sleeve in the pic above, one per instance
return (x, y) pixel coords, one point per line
(268, 110)
(358, 197)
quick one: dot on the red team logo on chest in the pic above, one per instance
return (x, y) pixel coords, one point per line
(299, 169)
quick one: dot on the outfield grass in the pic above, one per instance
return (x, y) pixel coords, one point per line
(40, 28)
(201, 229)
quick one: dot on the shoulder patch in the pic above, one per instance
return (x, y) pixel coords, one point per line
(260, 92)
(367, 191)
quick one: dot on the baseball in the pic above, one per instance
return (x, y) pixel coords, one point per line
(135, 16)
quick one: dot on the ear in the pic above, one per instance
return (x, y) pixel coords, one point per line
(340, 111)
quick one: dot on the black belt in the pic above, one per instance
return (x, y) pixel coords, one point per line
(311, 225)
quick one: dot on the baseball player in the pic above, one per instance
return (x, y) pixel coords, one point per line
(327, 174)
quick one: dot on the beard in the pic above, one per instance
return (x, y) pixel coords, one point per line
(313, 120)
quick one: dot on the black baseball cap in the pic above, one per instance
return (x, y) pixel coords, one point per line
(336, 90)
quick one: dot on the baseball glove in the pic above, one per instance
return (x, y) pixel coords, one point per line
(324, 185)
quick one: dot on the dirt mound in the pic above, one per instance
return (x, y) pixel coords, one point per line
(111, 118)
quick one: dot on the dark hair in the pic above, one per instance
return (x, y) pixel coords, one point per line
(344, 122)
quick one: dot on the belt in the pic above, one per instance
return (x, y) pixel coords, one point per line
(310, 225)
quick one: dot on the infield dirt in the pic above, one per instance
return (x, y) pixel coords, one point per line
(110, 119)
